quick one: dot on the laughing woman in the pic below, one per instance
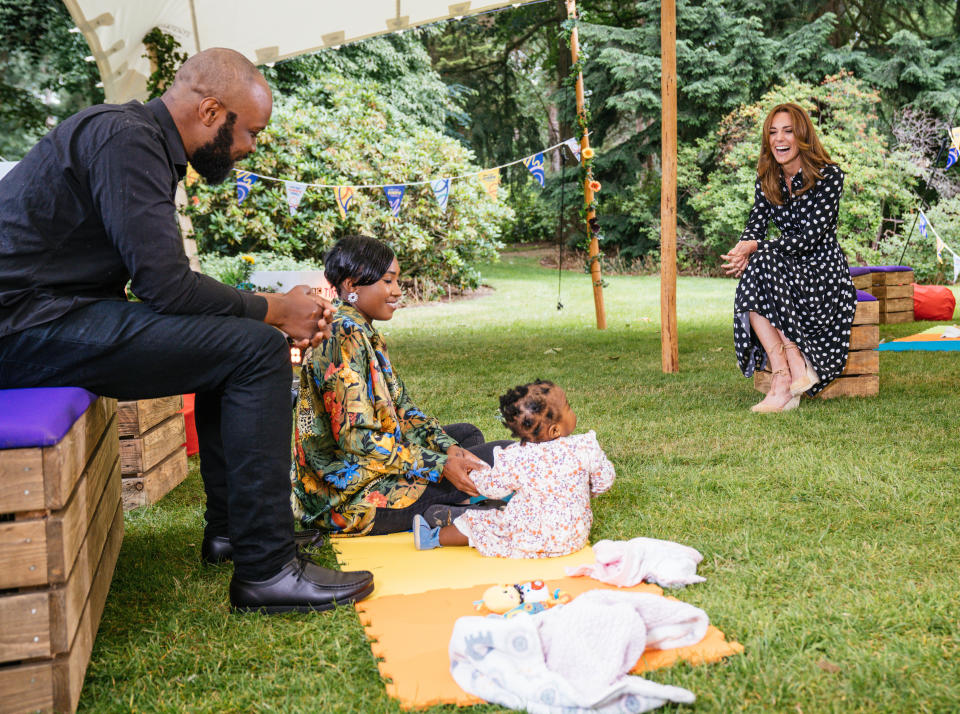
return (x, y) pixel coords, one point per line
(795, 301)
(366, 460)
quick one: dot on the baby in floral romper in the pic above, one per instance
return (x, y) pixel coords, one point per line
(551, 473)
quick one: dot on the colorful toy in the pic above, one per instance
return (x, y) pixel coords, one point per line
(526, 598)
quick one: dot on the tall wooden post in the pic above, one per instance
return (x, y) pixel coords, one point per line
(669, 350)
(587, 191)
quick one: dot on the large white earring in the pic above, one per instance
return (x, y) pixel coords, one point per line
(352, 297)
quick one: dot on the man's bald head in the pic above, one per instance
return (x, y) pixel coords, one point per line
(216, 72)
(219, 102)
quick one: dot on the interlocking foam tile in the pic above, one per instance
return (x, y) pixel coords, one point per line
(410, 634)
(400, 569)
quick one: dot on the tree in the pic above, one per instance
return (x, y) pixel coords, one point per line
(349, 135)
(43, 75)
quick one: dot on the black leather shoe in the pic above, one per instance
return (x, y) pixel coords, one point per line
(301, 586)
(218, 549)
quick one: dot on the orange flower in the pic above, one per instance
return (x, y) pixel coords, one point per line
(594, 186)
(587, 153)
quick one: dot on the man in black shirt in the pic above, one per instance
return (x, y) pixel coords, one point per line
(90, 208)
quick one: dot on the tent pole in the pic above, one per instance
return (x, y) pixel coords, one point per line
(669, 350)
(587, 191)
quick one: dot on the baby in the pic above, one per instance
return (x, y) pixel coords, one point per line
(551, 473)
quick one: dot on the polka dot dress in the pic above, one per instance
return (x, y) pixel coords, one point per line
(800, 281)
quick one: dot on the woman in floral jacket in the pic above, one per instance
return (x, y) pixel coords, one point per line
(366, 459)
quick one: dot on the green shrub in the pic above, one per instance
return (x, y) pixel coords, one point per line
(877, 183)
(350, 135)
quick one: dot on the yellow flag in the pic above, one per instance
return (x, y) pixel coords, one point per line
(491, 181)
(192, 175)
(343, 194)
(939, 250)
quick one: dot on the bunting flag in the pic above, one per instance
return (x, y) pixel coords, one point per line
(490, 179)
(535, 165)
(939, 250)
(574, 146)
(295, 191)
(245, 181)
(922, 225)
(956, 267)
(395, 197)
(953, 156)
(955, 137)
(192, 176)
(441, 189)
(343, 196)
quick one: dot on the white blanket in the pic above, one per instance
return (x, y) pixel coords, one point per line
(628, 563)
(574, 657)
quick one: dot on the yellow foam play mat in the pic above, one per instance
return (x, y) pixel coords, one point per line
(420, 594)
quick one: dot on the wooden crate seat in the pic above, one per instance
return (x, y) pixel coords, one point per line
(61, 526)
(892, 285)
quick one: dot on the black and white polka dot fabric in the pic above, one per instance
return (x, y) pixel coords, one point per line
(800, 281)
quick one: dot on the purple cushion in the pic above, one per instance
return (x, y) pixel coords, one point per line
(864, 296)
(889, 268)
(860, 270)
(41, 416)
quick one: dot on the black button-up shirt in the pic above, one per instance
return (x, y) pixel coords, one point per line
(90, 207)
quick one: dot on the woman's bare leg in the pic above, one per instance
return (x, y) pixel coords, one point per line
(795, 361)
(771, 339)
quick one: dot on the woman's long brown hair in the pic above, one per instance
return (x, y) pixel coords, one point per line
(813, 156)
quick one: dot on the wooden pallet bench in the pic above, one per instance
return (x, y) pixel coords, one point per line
(61, 526)
(153, 453)
(861, 376)
(892, 285)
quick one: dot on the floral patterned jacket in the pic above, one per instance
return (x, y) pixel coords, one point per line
(359, 441)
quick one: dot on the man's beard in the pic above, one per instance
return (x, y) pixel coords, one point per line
(213, 160)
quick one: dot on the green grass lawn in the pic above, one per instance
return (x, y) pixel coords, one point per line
(830, 534)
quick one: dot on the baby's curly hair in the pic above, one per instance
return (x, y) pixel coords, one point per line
(525, 410)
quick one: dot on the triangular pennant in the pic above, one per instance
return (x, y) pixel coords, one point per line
(395, 198)
(939, 250)
(295, 191)
(955, 137)
(574, 146)
(343, 196)
(490, 179)
(922, 225)
(535, 165)
(953, 156)
(192, 176)
(441, 189)
(245, 181)
(956, 267)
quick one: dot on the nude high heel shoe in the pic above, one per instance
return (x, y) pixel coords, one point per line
(762, 408)
(808, 380)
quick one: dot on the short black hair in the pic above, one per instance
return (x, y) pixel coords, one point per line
(362, 258)
(525, 411)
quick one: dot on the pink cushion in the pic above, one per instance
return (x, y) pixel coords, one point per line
(40, 416)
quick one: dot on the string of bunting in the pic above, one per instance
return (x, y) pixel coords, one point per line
(924, 224)
(343, 194)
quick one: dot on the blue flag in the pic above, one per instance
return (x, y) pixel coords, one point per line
(245, 181)
(441, 189)
(953, 156)
(922, 225)
(535, 164)
(394, 198)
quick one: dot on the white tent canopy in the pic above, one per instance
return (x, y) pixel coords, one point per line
(263, 31)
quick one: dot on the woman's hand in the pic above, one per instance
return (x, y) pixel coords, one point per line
(738, 257)
(460, 463)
